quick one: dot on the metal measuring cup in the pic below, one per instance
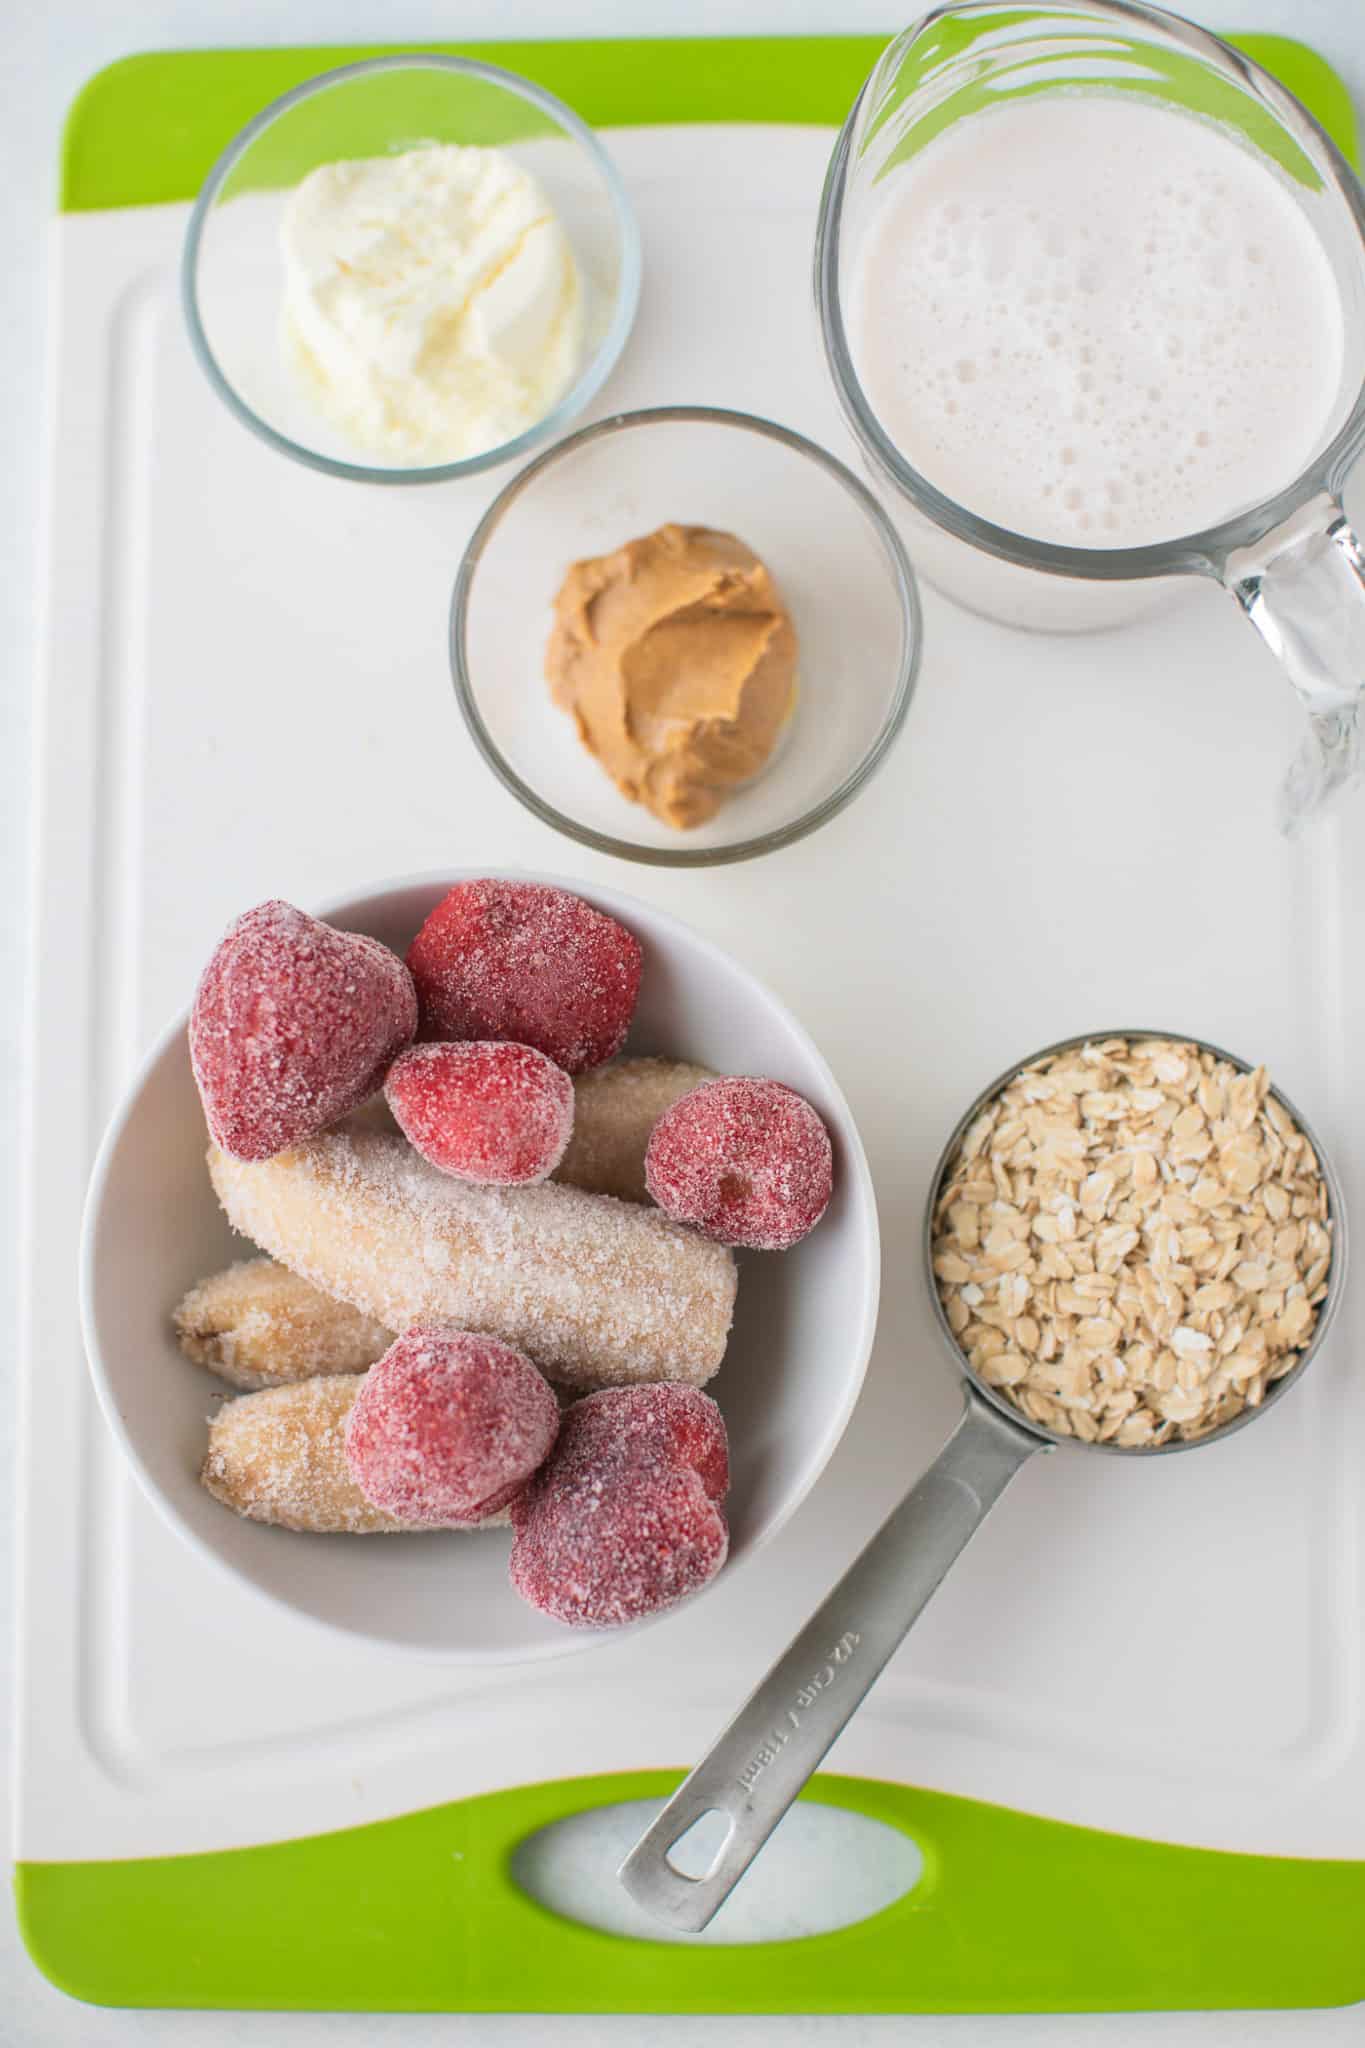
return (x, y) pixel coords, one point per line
(775, 1743)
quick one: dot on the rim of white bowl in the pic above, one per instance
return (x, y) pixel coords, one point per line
(575, 1641)
(586, 385)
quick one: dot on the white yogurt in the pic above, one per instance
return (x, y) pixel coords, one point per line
(432, 302)
(1095, 320)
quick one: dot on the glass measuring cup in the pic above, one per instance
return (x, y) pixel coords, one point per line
(763, 1759)
(1292, 561)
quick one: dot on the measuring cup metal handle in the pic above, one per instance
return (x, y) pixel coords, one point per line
(759, 1764)
(1303, 588)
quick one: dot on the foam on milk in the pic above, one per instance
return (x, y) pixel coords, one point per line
(1095, 320)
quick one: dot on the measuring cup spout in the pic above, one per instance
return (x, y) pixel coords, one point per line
(777, 1740)
(1303, 588)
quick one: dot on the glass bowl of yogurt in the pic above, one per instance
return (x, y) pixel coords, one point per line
(684, 636)
(411, 269)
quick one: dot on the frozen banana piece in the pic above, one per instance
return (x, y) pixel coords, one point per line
(258, 1325)
(614, 1110)
(279, 1456)
(596, 1292)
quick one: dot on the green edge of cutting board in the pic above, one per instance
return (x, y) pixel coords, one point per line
(149, 128)
(421, 1914)
(1013, 1913)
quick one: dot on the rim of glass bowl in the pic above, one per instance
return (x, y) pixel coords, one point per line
(902, 577)
(595, 372)
(1203, 552)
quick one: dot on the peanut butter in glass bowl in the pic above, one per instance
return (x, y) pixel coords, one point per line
(676, 658)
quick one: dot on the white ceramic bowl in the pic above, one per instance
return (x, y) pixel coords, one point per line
(803, 1328)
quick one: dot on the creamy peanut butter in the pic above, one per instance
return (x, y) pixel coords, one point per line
(676, 658)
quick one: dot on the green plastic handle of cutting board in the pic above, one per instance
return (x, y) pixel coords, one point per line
(150, 128)
(420, 1913)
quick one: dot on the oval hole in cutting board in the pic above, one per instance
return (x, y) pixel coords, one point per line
(824, 1868)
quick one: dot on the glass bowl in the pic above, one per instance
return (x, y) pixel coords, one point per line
(232, 274)
(836, 561)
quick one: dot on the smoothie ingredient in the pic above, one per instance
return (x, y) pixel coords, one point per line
(595, 1291)
(624, 1520)
(293, 1025)
(484, 1109)
(1132, 1241)
(512, 1293)
(448, 1426)
(526, 962)
(1095, 319)
(615, 1111)
(280, 1457)
(257, 1325)
(676, 658)
(745, 1161)
(432, 304)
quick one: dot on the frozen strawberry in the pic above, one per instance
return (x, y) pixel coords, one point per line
(661, 1421)
(294, 1024)
(520, 961)
(448, 1426)
(624, 1518)
(483, 1109)
(745, 1161)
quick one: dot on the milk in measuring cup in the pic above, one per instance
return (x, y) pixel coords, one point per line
(1096, 320)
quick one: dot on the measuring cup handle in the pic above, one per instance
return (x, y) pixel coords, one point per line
(758, 1765)
(1303, 588)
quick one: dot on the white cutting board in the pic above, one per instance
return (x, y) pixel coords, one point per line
(1069, 835)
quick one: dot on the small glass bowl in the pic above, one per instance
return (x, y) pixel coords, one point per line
(232, 273)
(835, 559)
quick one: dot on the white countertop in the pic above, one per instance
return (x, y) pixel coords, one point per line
(52, 49)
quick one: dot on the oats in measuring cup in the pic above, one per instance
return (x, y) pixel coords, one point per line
(1132, 1241)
